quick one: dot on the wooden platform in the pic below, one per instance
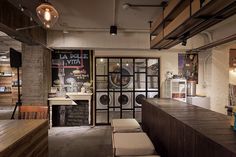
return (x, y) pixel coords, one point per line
(23, 138)
(178, 129)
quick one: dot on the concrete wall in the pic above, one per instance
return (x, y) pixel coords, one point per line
(36, 74)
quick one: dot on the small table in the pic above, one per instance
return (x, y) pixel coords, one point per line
(70, 101)
(24, 138)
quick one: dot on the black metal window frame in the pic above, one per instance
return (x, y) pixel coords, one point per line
(121, 89)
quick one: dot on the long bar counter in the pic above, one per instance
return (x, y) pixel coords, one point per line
(178, 129)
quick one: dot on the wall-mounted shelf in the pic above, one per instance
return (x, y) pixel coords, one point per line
(9, 95)
(5, 75)
(192, 19)
(8, 92)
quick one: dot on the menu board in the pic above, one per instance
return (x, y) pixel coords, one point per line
(73, 65)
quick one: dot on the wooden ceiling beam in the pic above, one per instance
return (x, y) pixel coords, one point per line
(12, 18)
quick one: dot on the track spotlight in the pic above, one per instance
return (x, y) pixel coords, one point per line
(184, 42)
(113, 30)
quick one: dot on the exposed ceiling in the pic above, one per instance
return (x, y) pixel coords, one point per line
(98, 15)
(6, 42)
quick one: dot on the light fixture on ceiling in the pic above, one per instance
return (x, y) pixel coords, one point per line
(184, 42)
(128, 5)
(47, 14)
(113, 30)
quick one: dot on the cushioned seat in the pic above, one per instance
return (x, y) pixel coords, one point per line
(125, 125)
(144, 156)
(131, 144)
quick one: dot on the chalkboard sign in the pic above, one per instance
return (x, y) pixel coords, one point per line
(73, 65)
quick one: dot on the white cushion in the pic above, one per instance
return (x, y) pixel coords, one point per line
(137, 143)
(125, 125)
(143, 156)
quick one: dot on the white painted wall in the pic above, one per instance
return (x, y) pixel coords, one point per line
(232, 76)
(98, 40)
(217, 74)
(204, 73)
(169, 60)
(219, 79)
(213, 82)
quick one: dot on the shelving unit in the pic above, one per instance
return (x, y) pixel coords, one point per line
(181, 20)
(176, 89)
(8, 93)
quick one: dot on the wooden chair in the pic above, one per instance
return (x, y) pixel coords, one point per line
(33, 112)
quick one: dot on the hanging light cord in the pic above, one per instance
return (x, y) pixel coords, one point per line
(114, 12)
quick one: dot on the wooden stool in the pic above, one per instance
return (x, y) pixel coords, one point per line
(125, 125)
(132, 144)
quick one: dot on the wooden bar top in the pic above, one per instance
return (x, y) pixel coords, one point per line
(199, 122)
(17, 137)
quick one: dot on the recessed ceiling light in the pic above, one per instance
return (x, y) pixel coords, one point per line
(65, 31)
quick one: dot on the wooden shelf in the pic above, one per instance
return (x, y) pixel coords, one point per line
(5, 75)
(173, 8)
(9, 97)
(6, 92)
(14, 86)
(192, 20)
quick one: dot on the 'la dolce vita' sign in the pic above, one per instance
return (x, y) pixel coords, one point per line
(75, 64)
(73, 58)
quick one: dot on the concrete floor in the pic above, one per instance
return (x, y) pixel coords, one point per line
(6, 112)
(83, 141)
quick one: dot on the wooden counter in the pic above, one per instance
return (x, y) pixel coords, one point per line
(178, 129)
(72, 97)
(23, 138)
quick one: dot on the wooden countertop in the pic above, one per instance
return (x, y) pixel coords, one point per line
(60, 98)
(78, 93)
(215, 126)
(15, 133)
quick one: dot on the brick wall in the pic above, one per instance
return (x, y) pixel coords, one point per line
(70, 115)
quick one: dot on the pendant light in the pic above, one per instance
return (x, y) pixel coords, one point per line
(47, 14)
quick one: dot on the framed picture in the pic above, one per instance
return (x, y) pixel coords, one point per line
(188, 66)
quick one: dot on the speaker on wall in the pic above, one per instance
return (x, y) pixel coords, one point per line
(15, 58)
